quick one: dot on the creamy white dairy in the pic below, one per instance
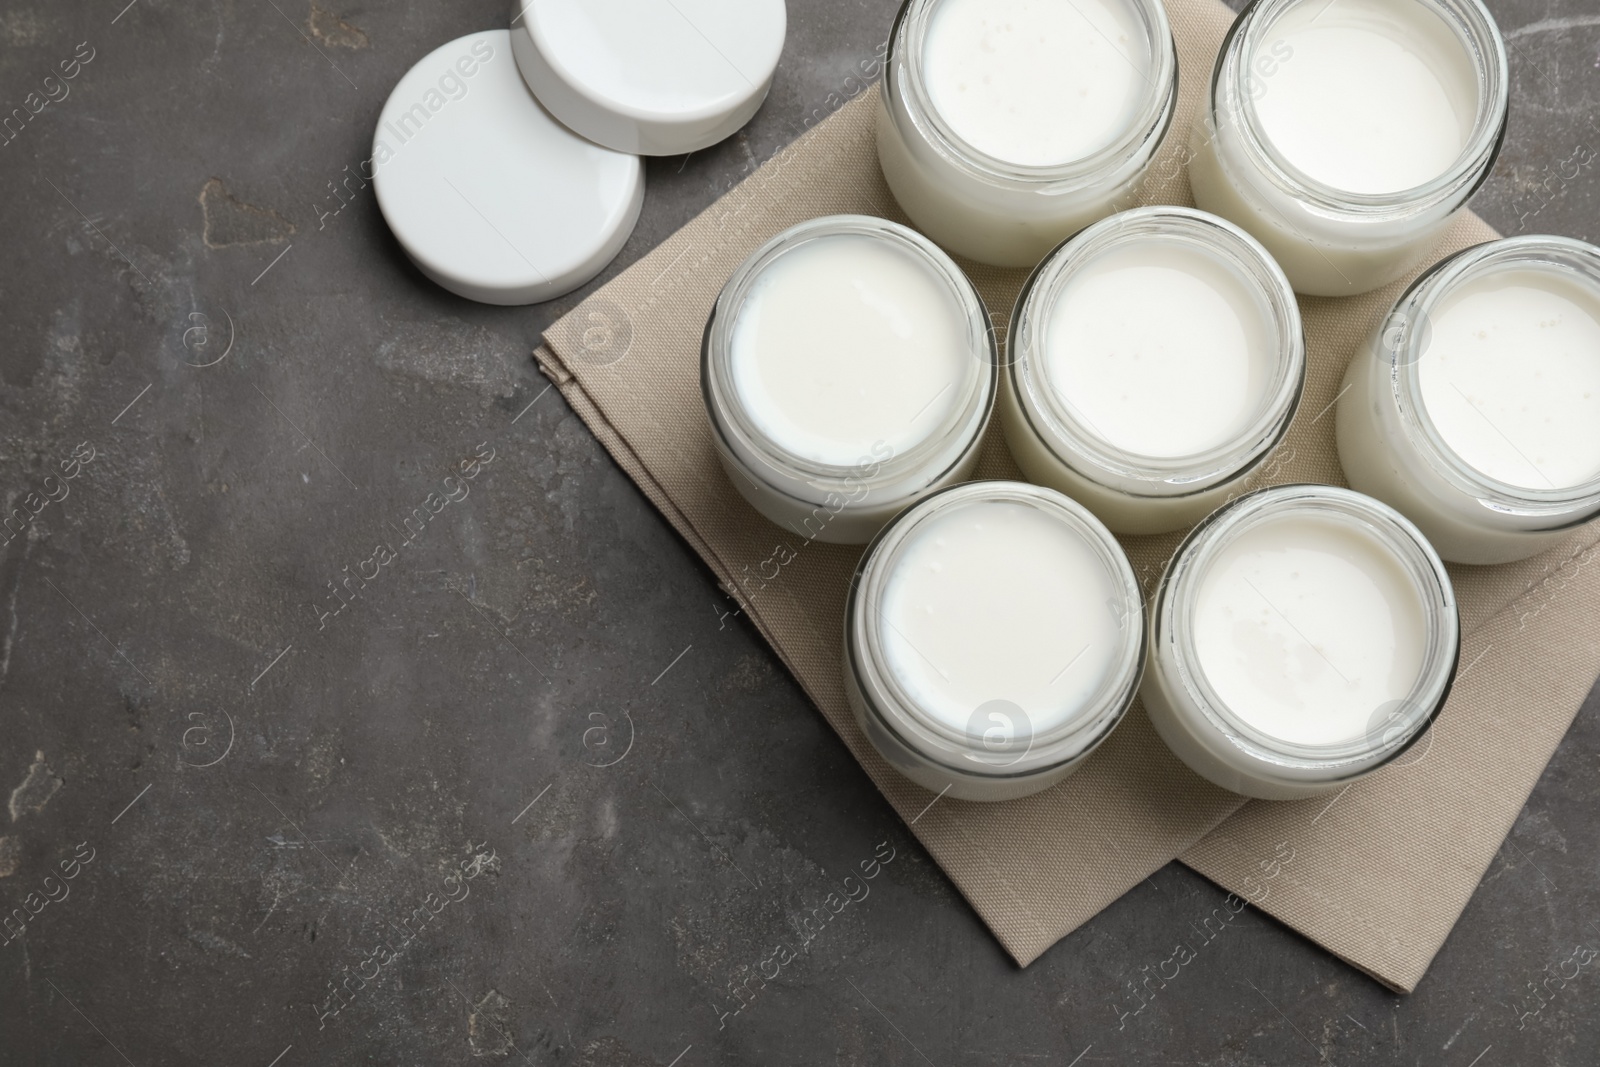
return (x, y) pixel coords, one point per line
(1160, 349)
(1474, 408)
(1374, 96)
(1036, 82)
(999, 601)
(849, 370)
(1345, 134)
(1511, 379)
(1154, 361)
(1006, 126)
(1302, 637)
(993, 638)
(847, 342)
(1306, 627)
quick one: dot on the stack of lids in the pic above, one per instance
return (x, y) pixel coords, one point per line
(507, 162)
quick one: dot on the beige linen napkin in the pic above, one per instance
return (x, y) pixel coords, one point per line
(1379, 877)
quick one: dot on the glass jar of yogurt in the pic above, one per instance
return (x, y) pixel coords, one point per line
(1345, 134)
(848, 369)
(1474, 407)
(1302, 637)
(1005, 126)
(1155, 361)
(994, 637)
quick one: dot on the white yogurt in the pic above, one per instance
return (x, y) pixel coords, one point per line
(1475, 406)
(1005, 126)
(1302, 637)
(1374, 97)
(848, 342)
(1161, 349)
(1306, 627)
(1155, 360)
(1511, 379)
(849, 371)
(1036, 82)
(999, 602)
(1345, 134)
(994, 637)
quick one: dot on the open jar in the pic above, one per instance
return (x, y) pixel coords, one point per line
(1302, 637)
(1005, 126)
(1474, 408)
(1155, 360)
(994, 636)
(1344, 135)
(848, 370)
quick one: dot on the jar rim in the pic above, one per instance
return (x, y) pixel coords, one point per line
(732, 424)
(1085, 451)
(955, 750)
(904, 86)
(1479, 35)
(1402, 722)
(1404, 335)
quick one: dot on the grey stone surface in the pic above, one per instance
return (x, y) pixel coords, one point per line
(535, 795)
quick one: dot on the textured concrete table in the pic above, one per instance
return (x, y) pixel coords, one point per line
(521, 785)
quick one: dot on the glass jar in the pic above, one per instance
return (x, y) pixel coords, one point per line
(1155, 360)
(848, 370)
(1302, 637)
(994, 636)
(1040, 171)
(1474, 407)
(1345, 136)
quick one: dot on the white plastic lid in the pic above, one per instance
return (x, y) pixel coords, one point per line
(490, 196)
(657, 77)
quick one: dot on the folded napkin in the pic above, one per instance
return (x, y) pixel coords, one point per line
(1377, 874)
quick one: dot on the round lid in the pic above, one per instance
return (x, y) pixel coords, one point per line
(490, 196)
(657, 77)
